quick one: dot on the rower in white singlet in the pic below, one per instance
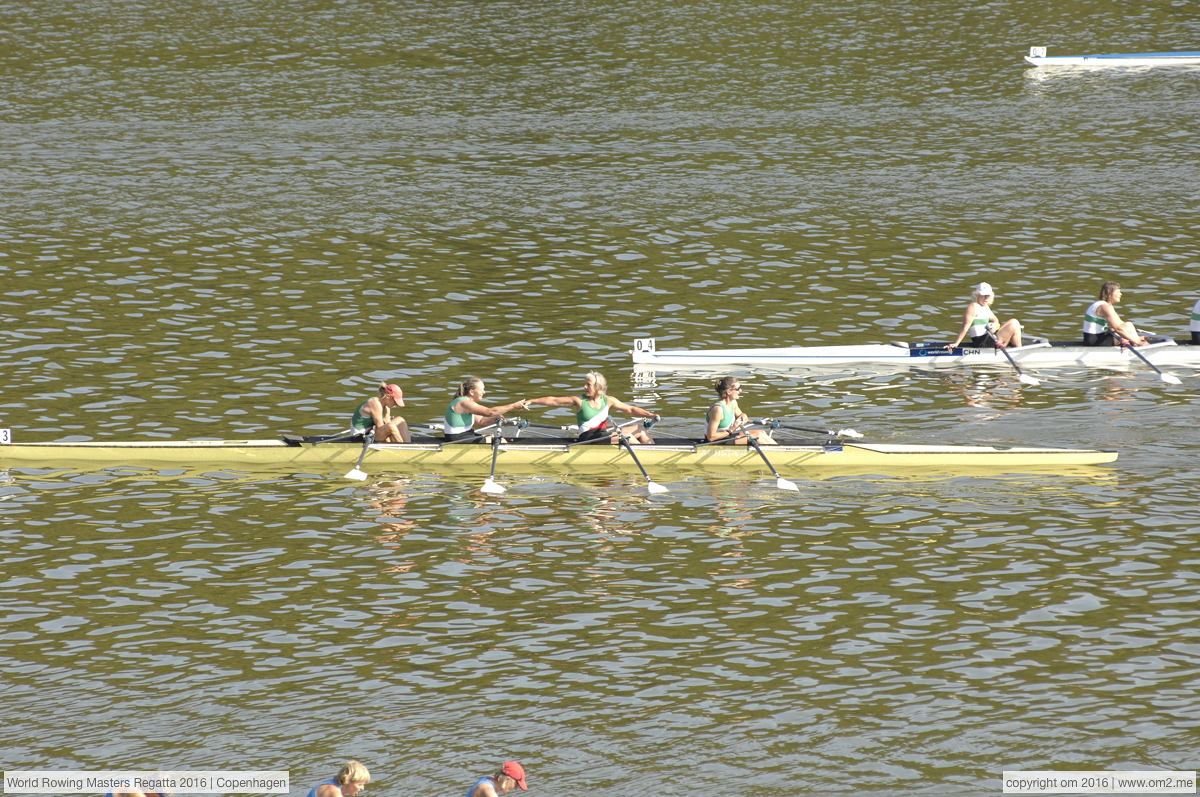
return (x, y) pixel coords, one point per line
(1101, 324)
(979, 319)
(1195, 325)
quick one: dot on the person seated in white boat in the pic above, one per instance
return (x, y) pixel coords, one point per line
(592, 408)
(1101, 324)
(726, 420)
(1195, 325)
(979, 319)
(504, 780)
(351, 779)
(465, 411)
(375, 414)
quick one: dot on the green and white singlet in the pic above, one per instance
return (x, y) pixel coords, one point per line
(457, 422)
(589, 417)
(1092, 323)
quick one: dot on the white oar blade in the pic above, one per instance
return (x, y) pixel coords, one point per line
(492, 487)
(1170, 379)
(357, 475)
(1029, 380)
(784, 484)
(848, 433)
(655, 489)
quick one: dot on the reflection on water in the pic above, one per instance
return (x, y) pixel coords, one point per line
(235, 224)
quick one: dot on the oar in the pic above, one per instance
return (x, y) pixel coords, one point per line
(1170, 379)
(521, 423)
(777, 425)
(490, 486)
(337, 438)
(780, 482)
(734, 434)
(357, 474)
(1021, 375)
(652, 487)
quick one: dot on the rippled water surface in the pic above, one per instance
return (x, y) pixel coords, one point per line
(232, 219)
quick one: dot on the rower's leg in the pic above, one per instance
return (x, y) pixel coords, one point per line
(762, 437)
(394, 431)
(1130, 333)
(1009, 333)
(638, 434)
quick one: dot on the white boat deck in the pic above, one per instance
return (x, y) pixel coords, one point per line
(1035, 354)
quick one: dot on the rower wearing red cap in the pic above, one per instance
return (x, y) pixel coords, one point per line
(376, 414)
(505, 779)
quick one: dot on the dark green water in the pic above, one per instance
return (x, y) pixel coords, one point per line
(231, 219)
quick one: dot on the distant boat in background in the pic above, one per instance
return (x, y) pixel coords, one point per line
(1037, 56)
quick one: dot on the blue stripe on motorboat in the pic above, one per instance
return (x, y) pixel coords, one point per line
(1189, 53)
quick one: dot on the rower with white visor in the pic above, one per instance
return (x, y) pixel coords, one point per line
(979, 320)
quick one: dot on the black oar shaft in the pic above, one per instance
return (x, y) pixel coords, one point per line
(828, 432)
(650, 484)
(370, 438)
(638, 462)
(1004, 350)
(750, 439)
(1146, 360)
(495, 452)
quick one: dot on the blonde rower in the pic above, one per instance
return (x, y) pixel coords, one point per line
(465, 411)
(592, 408)
(375, 414)
(726, 419)
(1101, 324)
(352, 778)
(979, 319)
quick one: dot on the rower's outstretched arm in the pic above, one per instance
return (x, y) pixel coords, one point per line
(556, 401)
(631, 409)
(484, 413)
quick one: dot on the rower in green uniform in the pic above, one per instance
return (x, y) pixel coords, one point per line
(592, 408)
(375, 414)
(726, 420)
(465, 411)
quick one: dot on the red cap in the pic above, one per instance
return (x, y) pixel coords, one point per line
(396, 393)
(516, 772)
